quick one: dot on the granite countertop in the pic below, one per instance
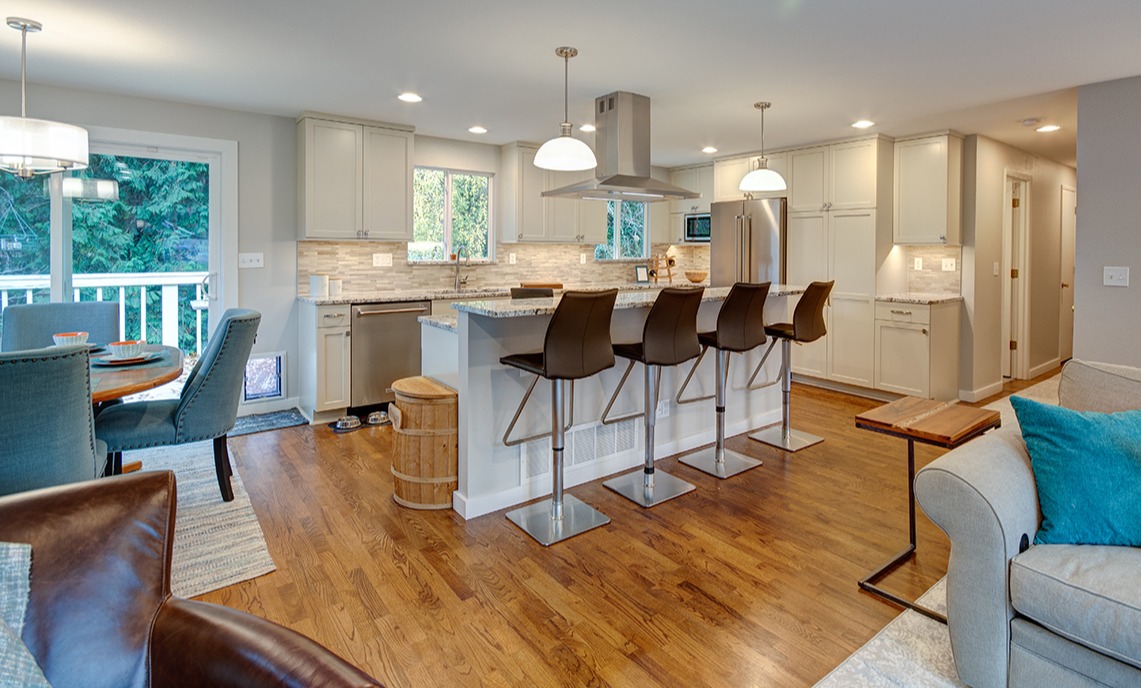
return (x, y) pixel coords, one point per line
(919, 298)
(395, 295)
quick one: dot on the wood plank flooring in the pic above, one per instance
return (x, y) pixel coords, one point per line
(745, 582)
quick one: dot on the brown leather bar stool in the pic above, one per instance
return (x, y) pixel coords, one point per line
(807, 326)
(740, 328)
(669, 337)
(576, 345)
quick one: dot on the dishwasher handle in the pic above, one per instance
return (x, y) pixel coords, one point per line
(392, 311)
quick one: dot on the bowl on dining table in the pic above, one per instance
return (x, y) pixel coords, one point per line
(69, 338)
(129, 348)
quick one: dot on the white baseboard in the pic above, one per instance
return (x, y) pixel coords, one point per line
(973, 395)
(1045, 367)
(267, 406)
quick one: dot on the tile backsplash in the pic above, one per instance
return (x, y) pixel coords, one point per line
(931, 278)
(351, 261)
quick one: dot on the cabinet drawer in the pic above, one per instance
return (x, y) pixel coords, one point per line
(333, 316)
(903, 312)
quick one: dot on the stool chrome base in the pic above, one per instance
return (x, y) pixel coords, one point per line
(538, 521)
(632, 486)
(731, 464)
(794, 441)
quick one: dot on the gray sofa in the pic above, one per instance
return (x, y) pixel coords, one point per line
(1033, 615)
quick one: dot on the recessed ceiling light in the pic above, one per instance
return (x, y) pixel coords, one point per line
(587, 128)
(863, 124)
(410, 97)
(477, 130)
(1047, 128)
(709, 149)
(1030, 121)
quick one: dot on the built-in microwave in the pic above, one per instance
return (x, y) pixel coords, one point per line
(697, 227)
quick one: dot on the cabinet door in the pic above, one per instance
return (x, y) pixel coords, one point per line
(806, 255)
(852, 252)
(334, 357)
(531, 211)
(561, 213)
(807, 170)
(686, 179)
(851, 339)
(387, 184)
(332, 179)
(853, 171)
(921, 191)
(903, 358)
(727, 176)
(592, 221)
(703, 184)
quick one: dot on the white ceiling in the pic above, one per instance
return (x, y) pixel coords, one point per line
(976, 66)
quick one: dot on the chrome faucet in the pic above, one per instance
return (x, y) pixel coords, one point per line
(467, 256)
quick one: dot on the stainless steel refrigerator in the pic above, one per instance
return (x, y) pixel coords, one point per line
(747, 242)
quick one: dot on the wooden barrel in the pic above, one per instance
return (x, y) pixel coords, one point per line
(425, 442)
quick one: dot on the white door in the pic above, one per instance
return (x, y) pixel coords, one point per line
(1066, 302)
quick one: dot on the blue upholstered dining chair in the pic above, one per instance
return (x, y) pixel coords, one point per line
(206, 409)
(31, 325)
(47, 436)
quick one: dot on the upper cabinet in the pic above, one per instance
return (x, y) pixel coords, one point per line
(525, 215)
(354, 179)
(699, 179)
(727, 175)
(928, 188)
(841, 176)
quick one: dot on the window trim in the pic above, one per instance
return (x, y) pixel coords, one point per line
(448, 245)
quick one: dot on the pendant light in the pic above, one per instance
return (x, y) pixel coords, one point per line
(565, 153)
(37, 146)
(762, 178)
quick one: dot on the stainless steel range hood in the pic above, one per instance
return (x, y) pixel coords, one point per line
(622, 146)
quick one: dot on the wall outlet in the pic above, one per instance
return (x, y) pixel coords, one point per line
(582, 259)
(918, 263)
(382, 260)
(510, 258)
(663, 408)
(251, 260)
(948, 265)
(1115, 277)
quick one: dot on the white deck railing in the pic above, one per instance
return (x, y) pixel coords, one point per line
(17, 289)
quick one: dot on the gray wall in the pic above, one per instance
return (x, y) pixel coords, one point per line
(266, 187)
(1107, 320)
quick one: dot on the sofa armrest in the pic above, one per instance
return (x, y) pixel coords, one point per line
(202, 644)
(983, 496)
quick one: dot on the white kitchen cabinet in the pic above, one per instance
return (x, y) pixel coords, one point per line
(525, 215)
(840, 176)
(561, 214)
(326, 360)
(808, 171)
(354, 180)
(727, 175)
(699, 179)
(917, 349)
(928, 190)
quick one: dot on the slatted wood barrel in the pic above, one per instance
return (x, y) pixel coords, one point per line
(425, 442)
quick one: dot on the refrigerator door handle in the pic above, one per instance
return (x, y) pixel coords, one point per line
(740, 226)
(747, 255)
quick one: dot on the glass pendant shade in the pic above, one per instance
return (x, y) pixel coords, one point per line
(90, 189)
(565, 153)
(763, 179)
(36, 146)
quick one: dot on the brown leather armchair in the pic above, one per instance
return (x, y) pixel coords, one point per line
(100, 611)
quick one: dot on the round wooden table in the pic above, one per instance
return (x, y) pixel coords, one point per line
(109, 382)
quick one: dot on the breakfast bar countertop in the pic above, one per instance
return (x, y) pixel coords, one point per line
(395, 295)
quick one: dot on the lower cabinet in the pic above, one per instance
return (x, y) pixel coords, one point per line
(917, 349)
(326, 360)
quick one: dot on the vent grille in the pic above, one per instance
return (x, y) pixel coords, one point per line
(584, 444)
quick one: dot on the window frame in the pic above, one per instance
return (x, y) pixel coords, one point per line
(449, 245)
(616, 240)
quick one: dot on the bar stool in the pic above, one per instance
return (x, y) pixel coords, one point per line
(807, 326)
(669, 337)
(740, 328)
(576, 345)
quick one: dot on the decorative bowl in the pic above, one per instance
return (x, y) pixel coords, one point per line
(696, 276)
(126, 349)
(68, 338)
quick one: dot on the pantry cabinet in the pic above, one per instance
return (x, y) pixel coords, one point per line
(917, 349)
(354, 179)
(928, 190)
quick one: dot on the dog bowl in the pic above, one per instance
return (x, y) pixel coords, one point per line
(68, 338)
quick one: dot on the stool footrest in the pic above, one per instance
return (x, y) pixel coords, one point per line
(633, 486)
(537, 520)
(795, 441)
(731, 464)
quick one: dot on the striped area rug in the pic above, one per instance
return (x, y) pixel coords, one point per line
(216, 543)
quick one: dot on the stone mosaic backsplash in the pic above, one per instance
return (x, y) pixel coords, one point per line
(351, 262)
(931, 278)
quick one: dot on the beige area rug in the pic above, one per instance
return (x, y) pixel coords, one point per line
(216, 543)
(914, 651)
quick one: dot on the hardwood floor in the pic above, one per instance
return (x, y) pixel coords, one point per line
(744, 582)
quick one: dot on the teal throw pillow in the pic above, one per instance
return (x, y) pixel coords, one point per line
(1087, 467)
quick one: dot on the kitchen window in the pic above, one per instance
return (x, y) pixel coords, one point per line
(627, 231)
(451, 209)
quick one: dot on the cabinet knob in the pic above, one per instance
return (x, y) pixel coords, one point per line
(924, 330)
(943, 238)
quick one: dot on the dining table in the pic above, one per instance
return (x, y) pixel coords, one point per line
(113, 381)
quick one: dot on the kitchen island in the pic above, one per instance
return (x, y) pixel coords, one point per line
(464, 353)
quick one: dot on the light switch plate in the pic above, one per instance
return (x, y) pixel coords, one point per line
(996, 268)
(918, 263)
(948, 265)
(511, 258)
(382, 260)
(1115, 276)
(251, 260)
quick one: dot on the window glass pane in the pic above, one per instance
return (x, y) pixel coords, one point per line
(25, 240)
(633, 229)
(470, 218)
(428, 238)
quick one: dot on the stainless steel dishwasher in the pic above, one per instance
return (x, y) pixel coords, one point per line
(386, 347)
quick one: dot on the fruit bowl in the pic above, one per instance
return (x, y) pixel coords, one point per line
(696, 276)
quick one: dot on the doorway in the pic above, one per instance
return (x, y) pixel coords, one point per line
(1015, 277)
(1066, 301)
